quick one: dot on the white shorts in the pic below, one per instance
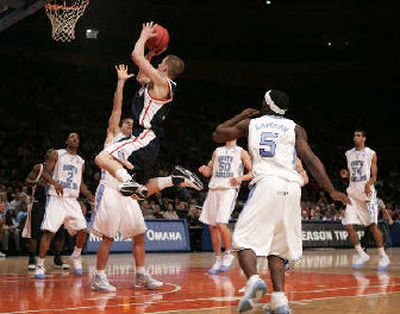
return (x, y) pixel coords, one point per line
(115, 214)
(218, 206)
(361, 212)
(270, 223)
(122, 150)
(63, 210)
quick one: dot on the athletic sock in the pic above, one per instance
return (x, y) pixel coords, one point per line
(140, 270)
(122, 175)
(77, 252)
(359, 250)
(278, 298)
(164, 182)
(381, 251)
(40, 261)
(101, 273)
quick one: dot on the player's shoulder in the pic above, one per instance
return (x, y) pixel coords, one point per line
(80, 158)
(370, 151)
(60, 152)
(350, 151)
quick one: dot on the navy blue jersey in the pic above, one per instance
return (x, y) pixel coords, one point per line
(149, 112)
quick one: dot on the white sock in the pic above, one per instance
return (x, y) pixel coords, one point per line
(360, 250)
(77, 252)
(164, 182)
(140, 270)
(278, 298)
(254, 277)
(122, 175)
(381, 251)
(101, 273)
(40, 261)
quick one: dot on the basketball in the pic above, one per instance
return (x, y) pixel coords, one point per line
(160, 41)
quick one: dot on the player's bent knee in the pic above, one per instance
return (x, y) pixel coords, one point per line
(101, 158)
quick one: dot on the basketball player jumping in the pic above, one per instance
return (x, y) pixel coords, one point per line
(226, 171)
(62, 207)
(270, 223)
(363, 210)
(115, 213)
(150, 107)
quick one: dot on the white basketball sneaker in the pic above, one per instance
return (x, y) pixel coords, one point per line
(216, 268)
(359, 260)
(40, 272)
(77, 263)
(227, 261)
(144, 280)
(256, 288)
(100, 283)
(383, 263)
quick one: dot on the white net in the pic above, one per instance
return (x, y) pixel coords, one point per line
(63, 16)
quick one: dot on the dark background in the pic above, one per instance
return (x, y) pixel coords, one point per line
(337, 60)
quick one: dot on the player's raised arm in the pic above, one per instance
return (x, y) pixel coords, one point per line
(236, 127)
(114, 120)
(144, 64)
(315, 166)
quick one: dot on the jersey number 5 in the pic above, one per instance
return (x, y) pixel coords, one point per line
(267, 144)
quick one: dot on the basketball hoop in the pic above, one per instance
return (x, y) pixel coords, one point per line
(63, 16)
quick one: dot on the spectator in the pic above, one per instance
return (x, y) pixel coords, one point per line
(170, 213)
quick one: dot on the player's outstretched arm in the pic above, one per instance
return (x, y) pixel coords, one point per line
(140, 60)
(315, 166)
(115, 117)
(236, 127)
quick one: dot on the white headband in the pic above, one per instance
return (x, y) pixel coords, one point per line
(272, 105)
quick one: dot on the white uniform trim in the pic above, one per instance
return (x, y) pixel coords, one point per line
(115, 213)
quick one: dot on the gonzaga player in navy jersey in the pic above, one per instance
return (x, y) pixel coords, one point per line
(270, 223)
(226, 171)
(363, 210)
(150, 107)
(62, 205)
(39, 181)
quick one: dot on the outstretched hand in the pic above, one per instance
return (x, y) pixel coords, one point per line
(249, 113)
(148, 30)
(122, 72)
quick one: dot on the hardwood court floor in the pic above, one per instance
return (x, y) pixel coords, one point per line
(323, 283)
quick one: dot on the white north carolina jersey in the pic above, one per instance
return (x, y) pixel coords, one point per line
(271, 143)
(359, 164)
(68, 172)
(227, 165)
(107, 178)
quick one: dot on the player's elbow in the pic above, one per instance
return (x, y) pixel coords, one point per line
(135, 56)
(218, 137)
